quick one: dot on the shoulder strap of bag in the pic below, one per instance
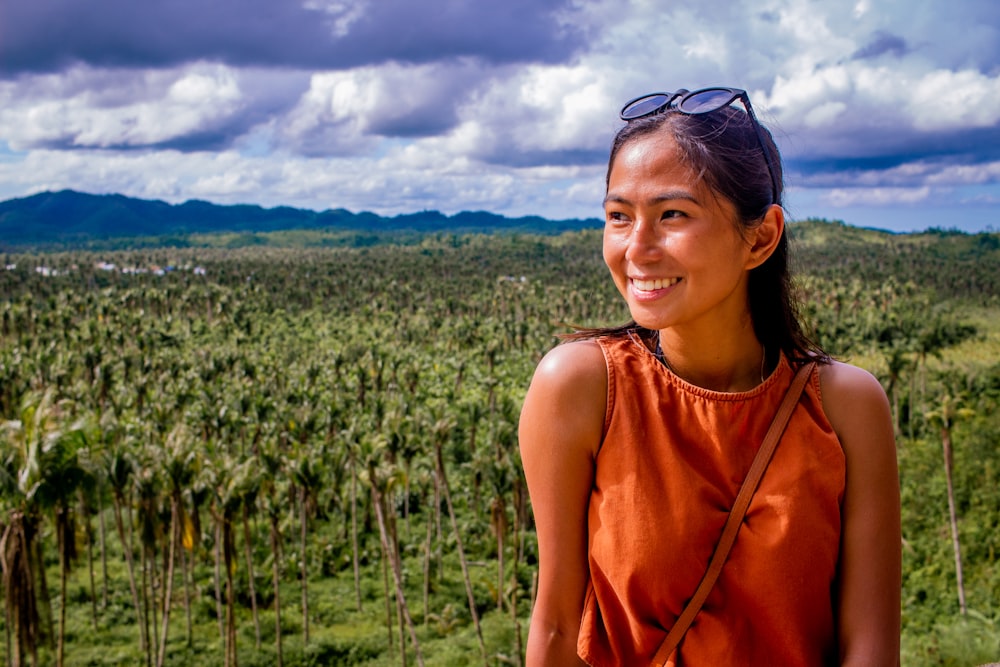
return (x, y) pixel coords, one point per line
(736, 515)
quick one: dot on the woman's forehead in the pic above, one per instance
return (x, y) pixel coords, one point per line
(653, 158)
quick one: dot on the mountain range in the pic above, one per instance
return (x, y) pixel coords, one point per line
(67, 218)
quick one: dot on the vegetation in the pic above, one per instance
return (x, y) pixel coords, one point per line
(296, 456)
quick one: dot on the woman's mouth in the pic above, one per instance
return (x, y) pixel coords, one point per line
(653, 285)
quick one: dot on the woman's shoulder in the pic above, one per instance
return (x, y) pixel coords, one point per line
(856, 406)
(844, 385)
(574, 365)
(566, 401)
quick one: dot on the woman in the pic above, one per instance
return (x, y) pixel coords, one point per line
(635, 440)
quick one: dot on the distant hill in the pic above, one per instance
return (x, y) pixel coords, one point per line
(69, 218)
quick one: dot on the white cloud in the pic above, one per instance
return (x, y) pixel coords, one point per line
(135, 109)
(824, 115)
(876, 196)
(813, 25)
(983, 199)
(542, 108)
(707, 46)
(327, 118)
(232, 179)
(344, 12)
(944, 99)
(345, 112)
(971, 174)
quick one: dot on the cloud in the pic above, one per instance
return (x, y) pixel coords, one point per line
(882, 43)
(343, 111)
(946, 100)
(539, 115)
(916, 173)
(854, 111)
(50, 35)
(966, 174)
(876, 196)
(199, 106)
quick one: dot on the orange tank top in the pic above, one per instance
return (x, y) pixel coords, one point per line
(669, 468)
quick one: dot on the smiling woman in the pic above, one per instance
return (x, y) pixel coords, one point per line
(659, 540)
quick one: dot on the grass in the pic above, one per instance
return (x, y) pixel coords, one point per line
(339, 633)
(954, 643)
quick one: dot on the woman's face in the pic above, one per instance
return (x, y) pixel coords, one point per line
(672, 245)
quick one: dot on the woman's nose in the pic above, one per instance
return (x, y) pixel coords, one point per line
(644, 243)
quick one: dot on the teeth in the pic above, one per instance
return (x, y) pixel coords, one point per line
(650, 285)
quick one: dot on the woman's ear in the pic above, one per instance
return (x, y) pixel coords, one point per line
(764, 237)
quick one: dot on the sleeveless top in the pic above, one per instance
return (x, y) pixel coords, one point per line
(667, 473)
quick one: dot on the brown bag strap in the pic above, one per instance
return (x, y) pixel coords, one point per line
(736, 515)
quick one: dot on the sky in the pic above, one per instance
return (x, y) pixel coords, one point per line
(887, 112)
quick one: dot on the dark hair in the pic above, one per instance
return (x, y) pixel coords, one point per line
(722, 148)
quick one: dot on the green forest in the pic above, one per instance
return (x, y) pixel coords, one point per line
(288, 448)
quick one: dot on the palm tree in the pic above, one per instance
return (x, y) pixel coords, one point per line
(198, 494)
(179, 470)
(272, 494)
(948, 411)
(119, 468)
(29, 439)
(425, 478)
(230, 478)
(440, 432)
(378, 484)
(247, 485)
(370, 450)
(352, 445)
(309, 479)
(934, 336)
(147, 487)
(64, 477)
(897, 361)
(91, 502)
(48, 475)
(21, 610)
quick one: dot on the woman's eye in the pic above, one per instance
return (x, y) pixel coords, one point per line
(617, 217)
(671, 214)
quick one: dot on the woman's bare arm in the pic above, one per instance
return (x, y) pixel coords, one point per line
(559, 433)
(868, 615)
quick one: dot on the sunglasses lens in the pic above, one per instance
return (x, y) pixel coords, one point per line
(707, 100)
(644, 106)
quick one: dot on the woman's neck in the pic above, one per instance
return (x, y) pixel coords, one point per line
(732, 363)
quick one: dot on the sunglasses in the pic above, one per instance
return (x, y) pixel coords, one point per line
(697, 102)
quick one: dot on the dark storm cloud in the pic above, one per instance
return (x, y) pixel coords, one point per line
(881, 44)
(206, 139)
(49, 35)
(877, 148)
(546, 158)
(425, 122)
(422, 102)
(904, 162)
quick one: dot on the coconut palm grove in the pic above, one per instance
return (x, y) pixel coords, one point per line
(300, 447)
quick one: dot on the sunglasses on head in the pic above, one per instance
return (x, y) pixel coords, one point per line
(697, 102)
